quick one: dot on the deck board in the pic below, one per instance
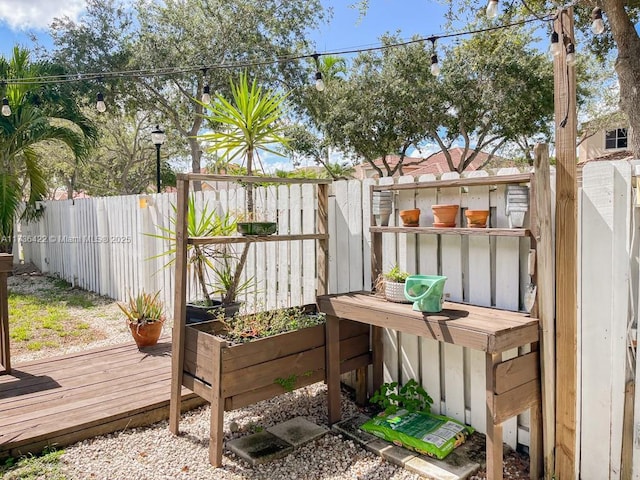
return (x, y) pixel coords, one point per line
(59, 401)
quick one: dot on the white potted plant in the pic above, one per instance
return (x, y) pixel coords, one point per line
(394, 281)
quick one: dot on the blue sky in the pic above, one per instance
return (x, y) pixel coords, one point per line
(19, 18)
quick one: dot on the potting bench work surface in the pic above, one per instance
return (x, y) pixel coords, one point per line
(62, 400)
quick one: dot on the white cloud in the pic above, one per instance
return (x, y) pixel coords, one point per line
(37, 14)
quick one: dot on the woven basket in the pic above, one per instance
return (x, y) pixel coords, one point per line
(394, 292)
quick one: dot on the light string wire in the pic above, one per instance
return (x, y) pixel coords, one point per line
(168, 71)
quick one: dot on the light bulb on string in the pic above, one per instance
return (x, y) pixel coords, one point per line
(555, 48)
(319, 82)
(435, 67)
(492, 9)
(206, 95)
(100, 105)
(597, 24)
(6, 109)
(571, 53)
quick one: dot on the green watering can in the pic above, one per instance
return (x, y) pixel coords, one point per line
(425, 291)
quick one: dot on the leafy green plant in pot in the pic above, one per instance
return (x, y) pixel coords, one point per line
(393, 285)
(145, 317)
(214, 269)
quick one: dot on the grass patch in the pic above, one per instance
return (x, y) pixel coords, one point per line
(50, 316)
(33, 467)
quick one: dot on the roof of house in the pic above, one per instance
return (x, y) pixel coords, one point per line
(435, 164)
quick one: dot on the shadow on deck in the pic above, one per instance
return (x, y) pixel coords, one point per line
(62, 400)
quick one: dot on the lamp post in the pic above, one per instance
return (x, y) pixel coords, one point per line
(158, 137)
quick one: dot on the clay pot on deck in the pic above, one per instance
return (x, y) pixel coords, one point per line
(146, 334)
(444, 215)
(476, 218)
(410, 218)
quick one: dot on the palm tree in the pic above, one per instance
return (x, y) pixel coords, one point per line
(250, 122)
(40, 114)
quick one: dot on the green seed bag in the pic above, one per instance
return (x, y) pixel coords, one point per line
(422, 432)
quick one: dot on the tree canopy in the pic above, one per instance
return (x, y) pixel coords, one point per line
(40, 116)
(111, 37)
(492, 88)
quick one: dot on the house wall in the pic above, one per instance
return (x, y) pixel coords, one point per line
(594, 146)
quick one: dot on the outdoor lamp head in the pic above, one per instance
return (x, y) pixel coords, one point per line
(6, 109)
(157, 136)
(100, 105)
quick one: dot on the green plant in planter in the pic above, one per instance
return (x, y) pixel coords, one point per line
(411, 397)
(396, 275)
(143, 308)
(215, 269)
(261, 324)
(145, 316)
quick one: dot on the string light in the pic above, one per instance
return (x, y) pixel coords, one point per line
(555, 48)
(571, 53)
(100, 105)
(492, 9)
(435, 68)
(597, 24)
(206, 95)
(319, 80)
(168, 71)
(6, 109)
(206, 92)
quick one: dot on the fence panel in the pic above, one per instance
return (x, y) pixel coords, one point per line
(605, 254)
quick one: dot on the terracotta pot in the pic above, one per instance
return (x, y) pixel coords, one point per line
(410, 218)
(146, 335)
(476, 218)
(444, 215)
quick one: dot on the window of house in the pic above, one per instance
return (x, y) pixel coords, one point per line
(616, 138)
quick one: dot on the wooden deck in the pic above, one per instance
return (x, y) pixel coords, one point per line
(59, 401)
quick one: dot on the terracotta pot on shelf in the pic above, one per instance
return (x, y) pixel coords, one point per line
(410, 218)
(444, 215)
(476, 218)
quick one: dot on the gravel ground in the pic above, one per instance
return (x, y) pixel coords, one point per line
(153, 453)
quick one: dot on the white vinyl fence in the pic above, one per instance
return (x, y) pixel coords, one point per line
(100, 244)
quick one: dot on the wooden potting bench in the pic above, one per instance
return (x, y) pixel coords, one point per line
(513, 385)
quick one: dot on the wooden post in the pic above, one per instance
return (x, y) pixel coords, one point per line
(545, 289)
(323, 244)
(179, 306)
(216, 435)
(376, 246)
(6, 266)
(332, 365)
(494, 430)
(566, 253)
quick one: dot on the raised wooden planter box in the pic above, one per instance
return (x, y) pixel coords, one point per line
(254, 371)
(234, 376)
